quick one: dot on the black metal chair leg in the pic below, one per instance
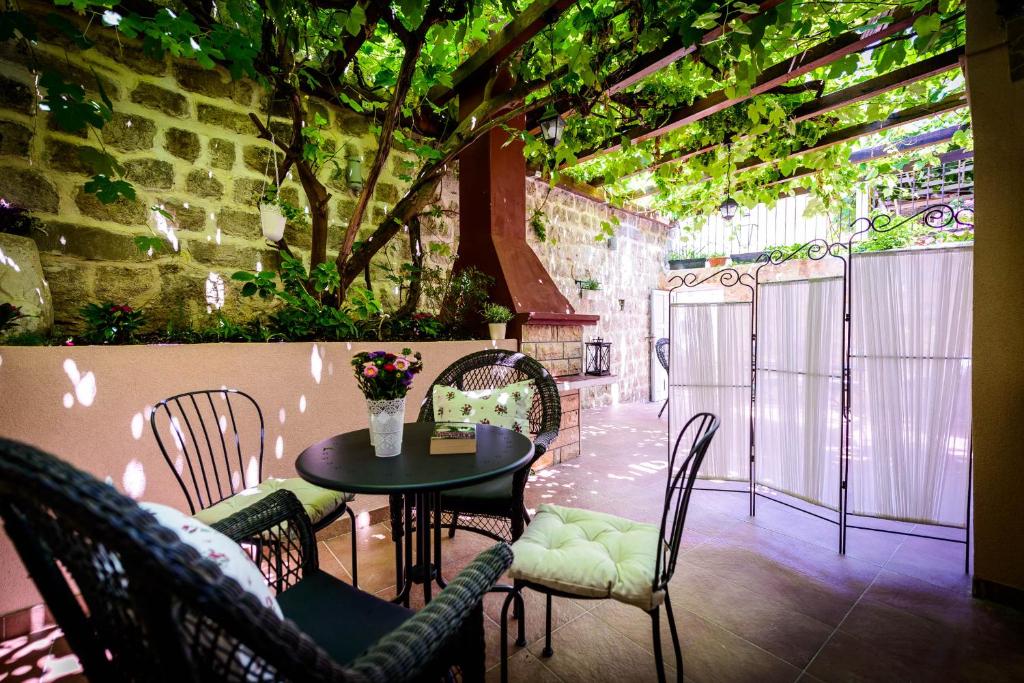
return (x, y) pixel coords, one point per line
(504, 634)
(547, 651)
(455, 523)
(663, 406)
(675, 637)
(656, 627)
(521, 616)
(355, 565)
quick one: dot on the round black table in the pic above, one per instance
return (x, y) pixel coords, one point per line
(347, 462)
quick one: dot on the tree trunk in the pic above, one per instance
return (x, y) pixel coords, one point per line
(412, 300)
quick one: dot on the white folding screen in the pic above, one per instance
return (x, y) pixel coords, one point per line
(911, 381)
(709, 371)
(799, 388)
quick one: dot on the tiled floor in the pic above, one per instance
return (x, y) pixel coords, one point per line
(757, 599)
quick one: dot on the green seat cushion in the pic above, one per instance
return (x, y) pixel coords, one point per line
(342, 620)
(590, 554)
(319, 502)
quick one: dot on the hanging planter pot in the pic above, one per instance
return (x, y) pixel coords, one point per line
(717, 261)
(272, 221)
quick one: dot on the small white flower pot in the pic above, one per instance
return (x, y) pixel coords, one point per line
(272, 222)
(497, 330)
(387, 422)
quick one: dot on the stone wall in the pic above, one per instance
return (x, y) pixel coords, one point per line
(628, 271)
(184, 136)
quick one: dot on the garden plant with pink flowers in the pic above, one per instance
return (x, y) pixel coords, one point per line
(384, 376)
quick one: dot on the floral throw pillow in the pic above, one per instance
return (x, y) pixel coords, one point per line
(507, 406)
(229, 557)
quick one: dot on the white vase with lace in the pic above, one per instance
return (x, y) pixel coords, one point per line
(387, 420)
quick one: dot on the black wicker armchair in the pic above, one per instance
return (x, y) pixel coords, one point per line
(137, 604)
(495, 508)
(661, 348)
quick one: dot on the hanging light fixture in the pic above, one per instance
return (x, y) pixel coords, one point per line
(551, 122)
(729, 206)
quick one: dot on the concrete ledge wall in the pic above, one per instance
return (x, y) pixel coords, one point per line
(88, 405)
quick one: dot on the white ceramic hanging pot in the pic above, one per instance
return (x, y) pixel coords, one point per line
(272, 221)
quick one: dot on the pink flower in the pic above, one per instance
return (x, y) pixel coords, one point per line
(370, 371)
(401, 364)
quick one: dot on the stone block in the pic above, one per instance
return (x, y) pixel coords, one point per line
(204, 184)
(566, 436)
(129, 53)
(529, 348)
(570, 333)
(570, 418)
(70, 281)
(257, 158)
(222, 153)
(240, 223)
(151, 173)
(539, 333)
(544, 461)
(16, 96)
(300, 235)
(345, 207)
(575, 366)
(29, 189)
(187, 216)
(25, 287)
(129, 132)
(181, 143)
(558, 367)
(51, 124)
(573, 350)
(570, 400)
(282, 131)
(247, 191)
(123, 211)
(550, 351)
(351, 123)
(386, 192)
(161, 99)
(134, 284)
(569, 451)
(86, 77)
(233, 255)
(87, 242)
(213, 83)
(225, 118)
(63, 156)
(15, 139)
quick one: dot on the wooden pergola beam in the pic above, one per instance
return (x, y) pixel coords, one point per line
(879, 85)
(778, 74)
(854, 94)
(651, 62)
(501, 45)
(900, 118)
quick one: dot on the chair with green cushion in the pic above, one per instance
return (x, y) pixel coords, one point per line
(213, 441)
(581, 554)
(495, 508)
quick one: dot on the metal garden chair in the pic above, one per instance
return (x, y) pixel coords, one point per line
(136, 604)
(212, 440)
(574, 553)
(661, 348)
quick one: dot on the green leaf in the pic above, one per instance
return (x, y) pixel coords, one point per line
(927, 24)
(249, 288)
(100, 162)
(109, 191)
(243, 276)
(145, 243)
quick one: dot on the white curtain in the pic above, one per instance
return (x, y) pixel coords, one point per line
(799, 388)
(911, 380)
(709, 371)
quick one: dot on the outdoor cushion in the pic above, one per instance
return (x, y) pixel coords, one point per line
(507, 406)
(230, 558)
(319, 502)
(492, 489)
(341, 619)
(590, 554)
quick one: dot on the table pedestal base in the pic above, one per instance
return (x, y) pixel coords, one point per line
(426, 568)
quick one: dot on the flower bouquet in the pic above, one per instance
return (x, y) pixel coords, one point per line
(385, 378)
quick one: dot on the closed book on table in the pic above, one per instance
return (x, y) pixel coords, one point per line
(453, 438)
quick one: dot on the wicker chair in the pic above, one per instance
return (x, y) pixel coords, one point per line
(495, 508)
(136, 604)
(650, 552)
(661, 348)
(208, 458)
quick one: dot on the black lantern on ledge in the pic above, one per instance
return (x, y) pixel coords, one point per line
(599, 357)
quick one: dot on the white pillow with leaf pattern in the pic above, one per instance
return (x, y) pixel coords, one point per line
(507, 406)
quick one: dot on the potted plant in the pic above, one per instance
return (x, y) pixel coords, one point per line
(717, 259)
(681, 260)
(745, 257)
(385, 379)
(497, 317)
(588, 285)
(274, 213)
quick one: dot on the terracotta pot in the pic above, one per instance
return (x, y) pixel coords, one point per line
(717, 261)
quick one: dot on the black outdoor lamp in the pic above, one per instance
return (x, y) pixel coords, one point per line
(729, 206)
(599, 357)
(551, 126)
